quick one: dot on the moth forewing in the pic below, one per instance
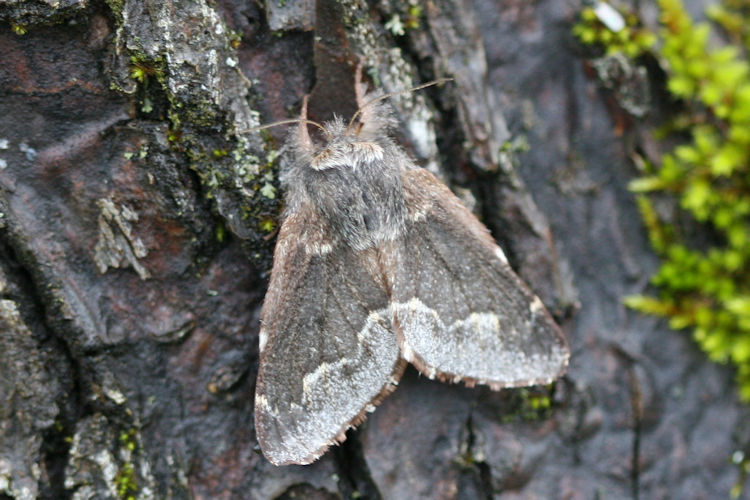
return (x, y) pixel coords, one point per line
(378, 263)
(328, 353)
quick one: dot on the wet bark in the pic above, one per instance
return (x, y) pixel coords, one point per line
(137, 216)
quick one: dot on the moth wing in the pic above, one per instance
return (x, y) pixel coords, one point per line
(328, 351)
(459, 310)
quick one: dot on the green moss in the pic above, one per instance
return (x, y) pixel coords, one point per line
(529, 404)
(127, 440)
(267, 225)
(116, 8)
(221, 232)
(632, 40)
(406, 17)
(742, 462)
(519, 144)
(705, 289)
(127, 487)
(125, 479)
(139, 155)
(412, 17)
(235, 39)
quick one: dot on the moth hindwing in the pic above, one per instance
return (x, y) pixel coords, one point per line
(377, 263)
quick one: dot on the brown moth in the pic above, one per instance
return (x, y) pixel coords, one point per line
(378, 264)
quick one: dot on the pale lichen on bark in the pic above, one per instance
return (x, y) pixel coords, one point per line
(103, 464)
(28, 407)
(190, 47)
(117, 246)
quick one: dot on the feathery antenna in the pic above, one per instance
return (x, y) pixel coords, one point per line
(439, 81)
(291, 120)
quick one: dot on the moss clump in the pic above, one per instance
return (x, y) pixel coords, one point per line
(125, 480)
(529, 404)
(267, 225)
(631, 39)
(742, 462)
(127, 488)
(703, 288)
(732, 16)
(406, 18)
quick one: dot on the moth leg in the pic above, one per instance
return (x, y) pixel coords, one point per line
(368, 114)
(360, 88)
(303, 136)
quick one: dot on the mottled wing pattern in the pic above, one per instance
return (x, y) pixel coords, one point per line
(328, 351)
(459, 310)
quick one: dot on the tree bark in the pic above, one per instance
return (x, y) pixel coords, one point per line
(137, 217)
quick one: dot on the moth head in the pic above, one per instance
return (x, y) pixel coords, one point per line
(358, 141)
(347, 144)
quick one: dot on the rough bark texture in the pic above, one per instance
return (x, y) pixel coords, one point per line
(136, 224)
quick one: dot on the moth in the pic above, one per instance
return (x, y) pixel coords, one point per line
(378, 264)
